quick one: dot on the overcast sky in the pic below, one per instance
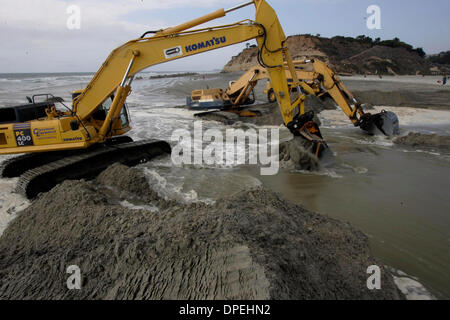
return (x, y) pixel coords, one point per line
(35, 37)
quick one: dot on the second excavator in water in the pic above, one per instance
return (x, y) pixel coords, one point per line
(316, 78)
(62, 142)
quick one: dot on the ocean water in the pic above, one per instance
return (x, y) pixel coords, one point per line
(398, 196)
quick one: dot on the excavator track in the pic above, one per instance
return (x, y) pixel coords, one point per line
(15, 167)
(87, 165)
(219, 116)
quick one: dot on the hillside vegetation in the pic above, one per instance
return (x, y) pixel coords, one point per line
(360, 55)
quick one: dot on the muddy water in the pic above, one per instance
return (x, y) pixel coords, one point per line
(397, 196)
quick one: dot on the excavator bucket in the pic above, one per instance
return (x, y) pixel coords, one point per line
(311, 132)
(307, 134)
(383, 123)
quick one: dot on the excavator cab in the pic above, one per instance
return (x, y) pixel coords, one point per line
(208, 99)
(103, 110)
(99, 116)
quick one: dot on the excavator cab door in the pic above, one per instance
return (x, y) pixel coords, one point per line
(103, 110)
(125, 116)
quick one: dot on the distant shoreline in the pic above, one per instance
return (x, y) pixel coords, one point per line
(2, 74)
(176, 75)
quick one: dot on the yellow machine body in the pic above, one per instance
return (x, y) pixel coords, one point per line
(323, 80)
(57, 130)
(85, 124)
(320, 81)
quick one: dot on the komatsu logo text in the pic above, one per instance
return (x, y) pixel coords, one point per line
(206, 44)
(73, 139)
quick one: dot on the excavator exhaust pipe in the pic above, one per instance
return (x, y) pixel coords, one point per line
(383, 123)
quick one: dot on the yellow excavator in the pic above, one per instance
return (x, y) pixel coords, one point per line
(86, 137)
(239, 93)
(319, 81)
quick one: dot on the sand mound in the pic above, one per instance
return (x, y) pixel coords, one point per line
(270, 113)
(298, 154)
(380, 98)
(317, 104)
(254, 245)
(127, 182)
(414, 139)
(416, 98)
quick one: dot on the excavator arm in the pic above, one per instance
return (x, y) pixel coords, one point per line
(320, 81)
(116, 73)
(240, 89)
(329, 82)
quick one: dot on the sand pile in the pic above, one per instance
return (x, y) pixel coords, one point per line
(254, 245)
(127, 183)
(415, 98)
(318, 105)
(415, 139)
(298, 154)
(270, 113)
(380, 98)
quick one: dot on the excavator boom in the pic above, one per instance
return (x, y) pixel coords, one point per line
(385, 123)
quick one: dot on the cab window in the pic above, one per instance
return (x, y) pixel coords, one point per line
(103, 110)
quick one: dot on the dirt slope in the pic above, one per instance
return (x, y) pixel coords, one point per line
(415, 139)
